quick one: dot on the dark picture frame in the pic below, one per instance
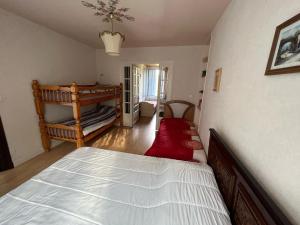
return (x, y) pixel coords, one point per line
(284, 57)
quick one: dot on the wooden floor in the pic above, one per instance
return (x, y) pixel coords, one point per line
(132, 140)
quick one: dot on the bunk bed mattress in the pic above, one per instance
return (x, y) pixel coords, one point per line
(96, 126)
(94, 119)
(93, 186)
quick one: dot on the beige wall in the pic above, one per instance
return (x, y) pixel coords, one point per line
(186, 67)
(29, 51)
(258, 116)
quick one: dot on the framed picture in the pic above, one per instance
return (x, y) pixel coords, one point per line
(285, 52)
(217, 82)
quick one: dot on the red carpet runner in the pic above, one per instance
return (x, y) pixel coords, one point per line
(173, 140)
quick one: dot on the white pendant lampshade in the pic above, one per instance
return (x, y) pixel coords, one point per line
(112, 42)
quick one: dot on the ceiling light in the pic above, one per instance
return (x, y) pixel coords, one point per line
(112, 40)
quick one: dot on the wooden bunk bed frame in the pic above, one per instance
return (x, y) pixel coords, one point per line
(75, 96)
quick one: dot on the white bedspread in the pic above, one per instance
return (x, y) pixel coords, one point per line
(92, 186)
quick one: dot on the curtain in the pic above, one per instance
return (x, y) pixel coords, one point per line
(150, 84)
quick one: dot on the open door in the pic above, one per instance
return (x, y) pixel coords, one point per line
(127, 93)
(136, 76)
(162, 92)
(132, 74)
(142, 84)
(5, 159)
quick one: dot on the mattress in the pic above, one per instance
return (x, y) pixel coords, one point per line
(92, 186)
(93, 127)
(93, 119)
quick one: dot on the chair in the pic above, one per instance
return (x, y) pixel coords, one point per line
(179, 109)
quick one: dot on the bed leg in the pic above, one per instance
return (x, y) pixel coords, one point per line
(45, 138)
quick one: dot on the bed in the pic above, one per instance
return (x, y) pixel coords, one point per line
(92, 186)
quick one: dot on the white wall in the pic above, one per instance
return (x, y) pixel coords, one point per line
(29, 51)
(186, 68)
(257, 115)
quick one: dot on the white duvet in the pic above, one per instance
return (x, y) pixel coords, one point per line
(92, 186)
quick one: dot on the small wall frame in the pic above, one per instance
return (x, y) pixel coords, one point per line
(217, 82)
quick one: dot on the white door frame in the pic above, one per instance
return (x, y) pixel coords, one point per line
(128, 118)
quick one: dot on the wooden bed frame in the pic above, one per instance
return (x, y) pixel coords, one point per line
(75, 96)
(246, 200)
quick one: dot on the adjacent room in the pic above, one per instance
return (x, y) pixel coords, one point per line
(162, 112)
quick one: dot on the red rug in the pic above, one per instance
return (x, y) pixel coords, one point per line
(173, 140)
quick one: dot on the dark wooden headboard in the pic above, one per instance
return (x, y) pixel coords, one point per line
(246, 200)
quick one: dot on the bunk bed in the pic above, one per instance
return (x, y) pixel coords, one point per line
(83, 126)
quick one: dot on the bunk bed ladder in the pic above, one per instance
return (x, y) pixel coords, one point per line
(40, 105)
(76, 114)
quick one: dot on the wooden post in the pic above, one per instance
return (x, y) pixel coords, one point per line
(76, 114)
(39, 105)
(121, 104)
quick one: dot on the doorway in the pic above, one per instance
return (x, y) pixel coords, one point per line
(146, 87)
(145, 90)
(5, 158)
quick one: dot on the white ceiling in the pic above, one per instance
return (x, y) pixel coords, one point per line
(158, 22)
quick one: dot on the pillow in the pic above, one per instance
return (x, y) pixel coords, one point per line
(196, 145)
(190, 123)
(200, 156)
(192, 132)
(196, 138)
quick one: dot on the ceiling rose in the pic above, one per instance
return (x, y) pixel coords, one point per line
(112, 40)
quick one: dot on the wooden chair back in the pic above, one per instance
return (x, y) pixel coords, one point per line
(179, 109)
